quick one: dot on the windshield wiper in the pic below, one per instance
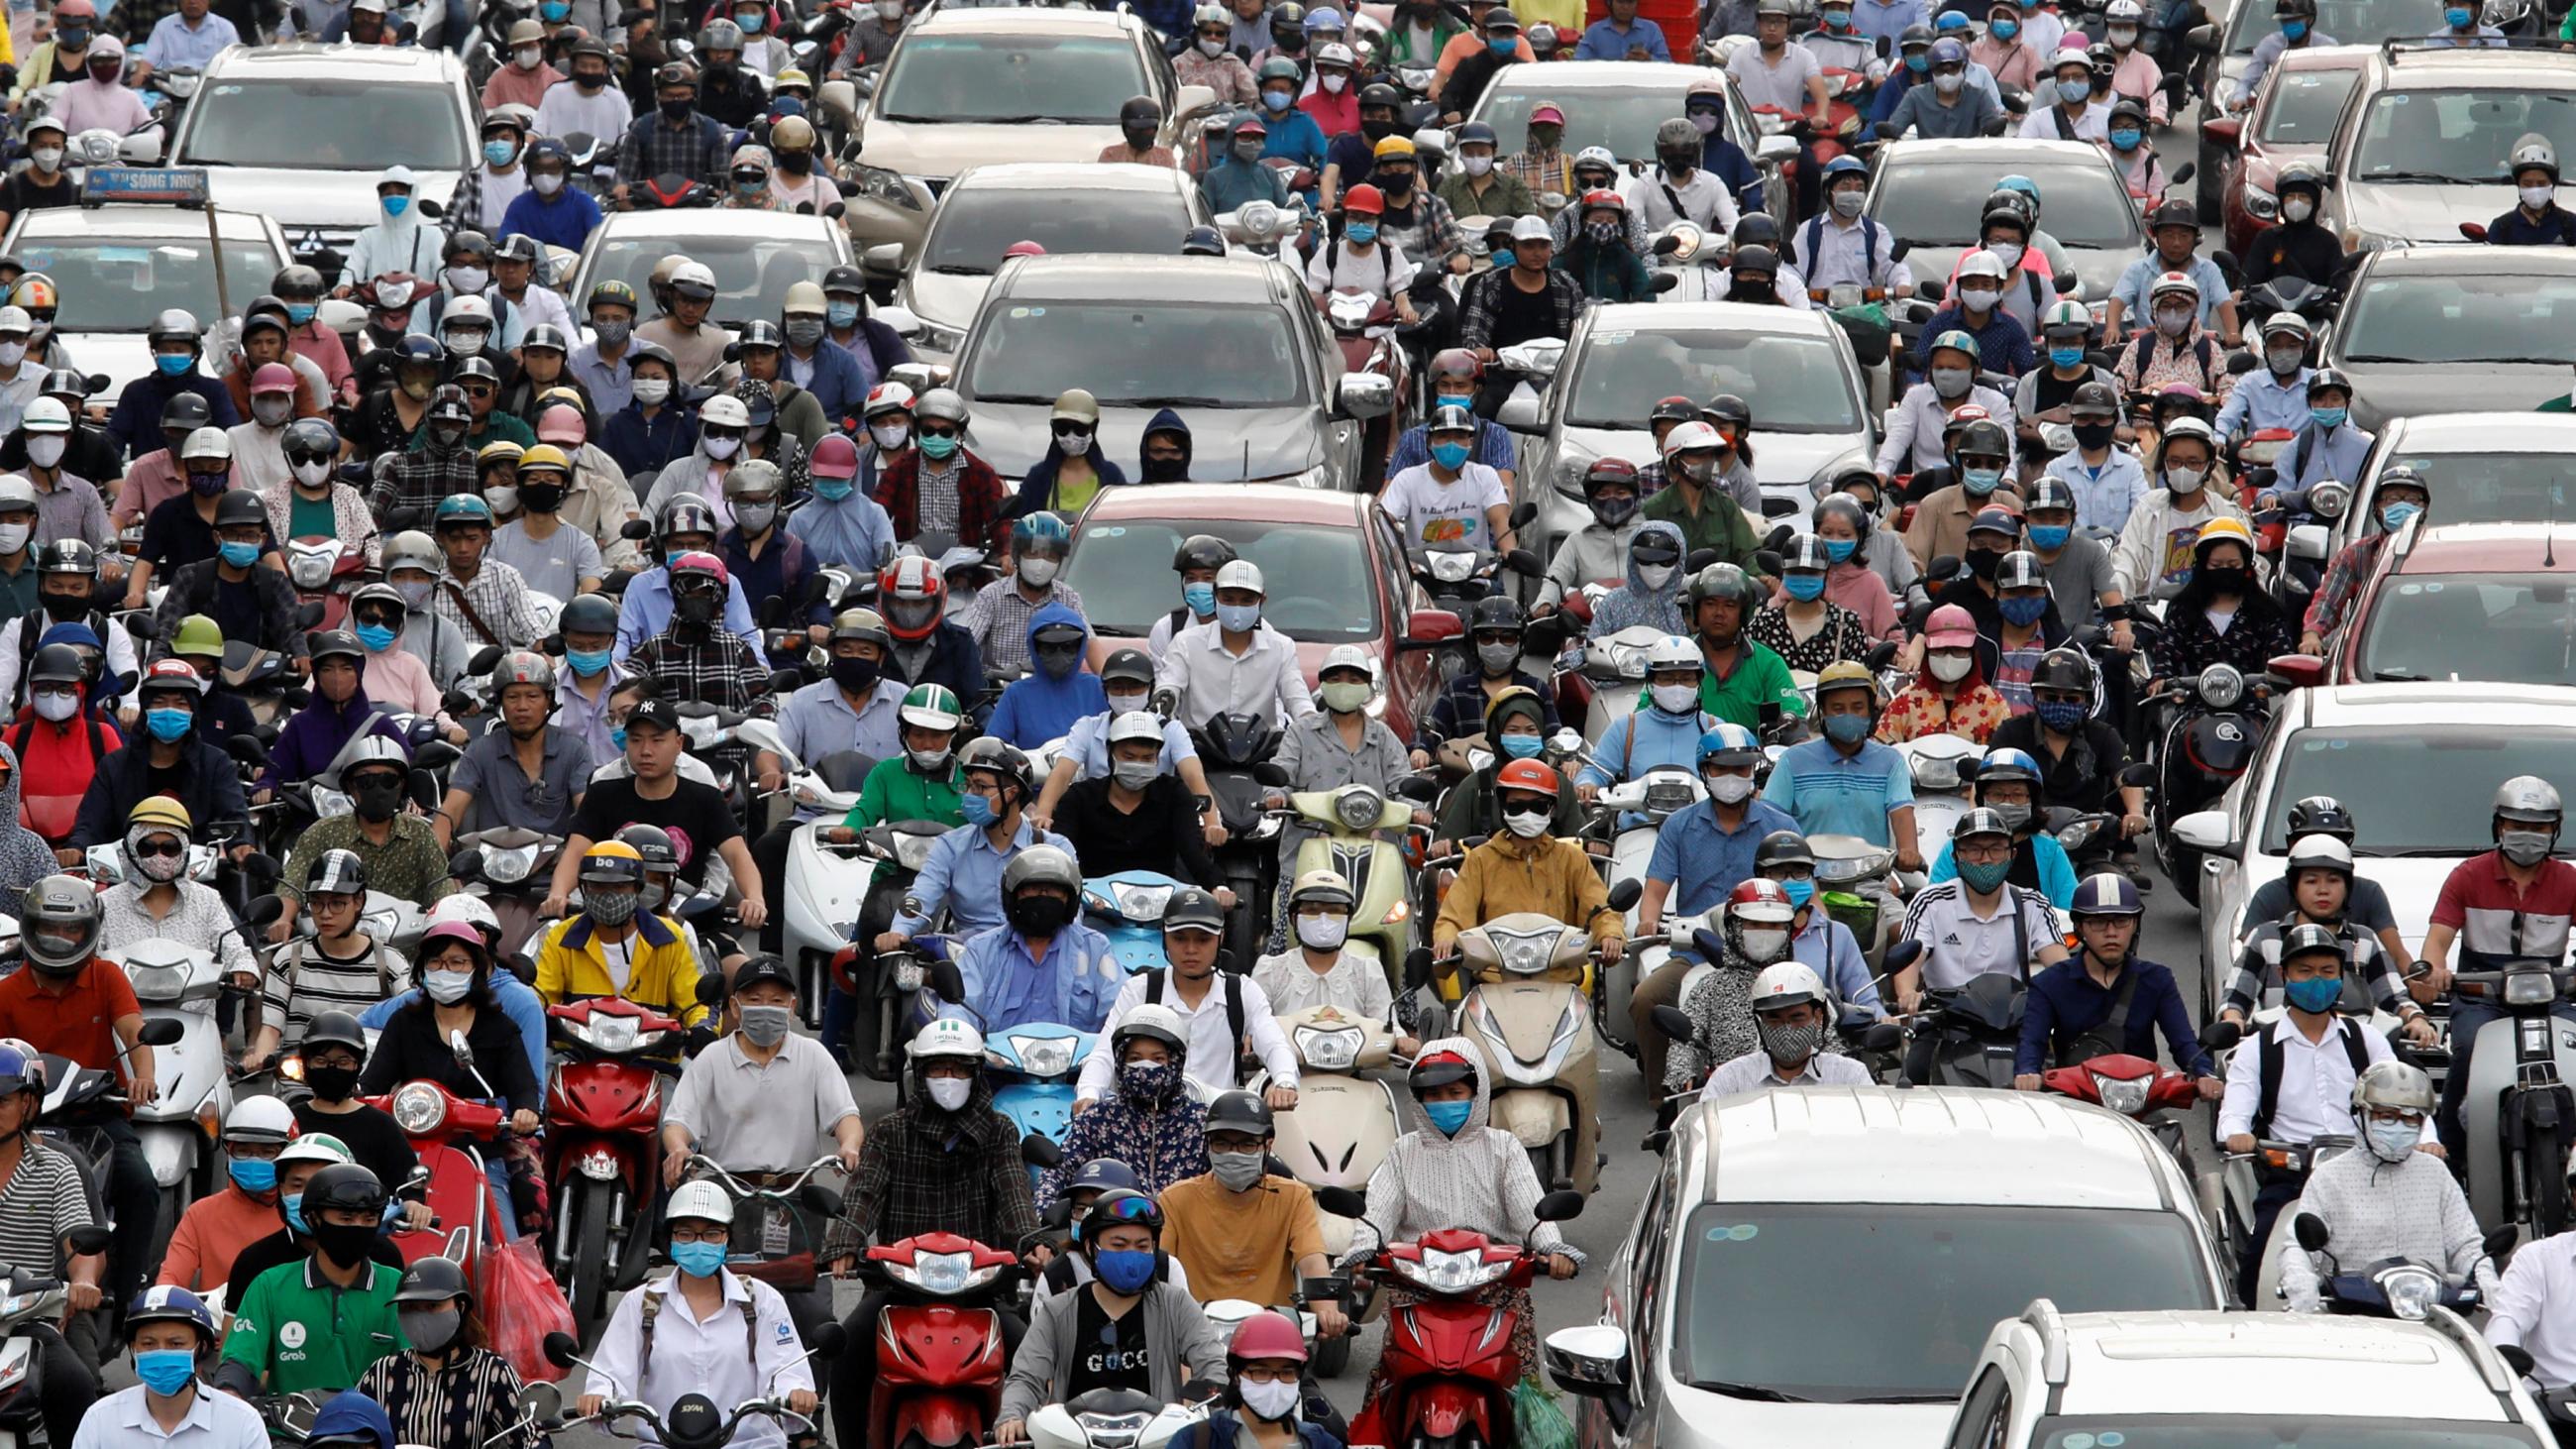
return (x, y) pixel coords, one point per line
(1012, 397)
(1029, 120)
(2396, 676)
(2510, 361)
(916, 120)
(2435, 177)
(1755, 1392)
(2374, 357)
(1901, 1399)
(960, 269)
(1115, 631)
(1187, 402)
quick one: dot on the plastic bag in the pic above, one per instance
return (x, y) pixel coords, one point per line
(1537, 1423)
(521, 1305)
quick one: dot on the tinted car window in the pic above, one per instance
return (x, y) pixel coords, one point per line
(1138, 356)
(1940, 204)
(2305, 105)
(2429, 317)
(121, 286)
(1795, 384)
(324, 125)
(2431, 788)
(2512, 628)
(1079, 80)
(1318, 576)
(2454, 135)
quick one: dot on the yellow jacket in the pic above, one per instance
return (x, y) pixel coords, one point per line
(1505, 874)
(663, 974)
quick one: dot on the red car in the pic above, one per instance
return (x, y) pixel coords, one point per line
(1334, 567)
(2293, 116)
(2491, 602)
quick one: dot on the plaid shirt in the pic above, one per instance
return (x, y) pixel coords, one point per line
(419, 477)
(473, 1401)
(2258, 968)
(192, 591)
(2343, 580)
(999, 620)
(499, 595)
(135, 19)
(1564, 296)
(654, 147)
(980, 500)
(922, 1170)
(1541, 170)
(717, 668)
(1433, 235)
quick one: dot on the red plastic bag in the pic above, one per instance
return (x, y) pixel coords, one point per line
(521, 1305)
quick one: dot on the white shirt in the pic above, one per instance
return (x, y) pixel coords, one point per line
(1211, 679)
(1212, 1051)
(1766, 84)
(2094, 125)
(2315, 1097)
(1431, 514)
(1959, 944)
(704, 1358)
(1752, 1072)
(1705, 199)
(1353, 985)
(215, 1421)
(1382, 271)
(564, 110)
(2532, 1307)
(1842, 254)
(543, 304)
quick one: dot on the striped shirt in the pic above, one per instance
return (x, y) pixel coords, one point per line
(999, 620)
(39, 1207)
(2498, 924)
(303, 983)
(473, 1400)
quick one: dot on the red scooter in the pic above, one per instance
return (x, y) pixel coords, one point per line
(1363, 325)
(327, 572)
(444, 1129)
(2138, 1089)
(604, 1146)
(939, 1357)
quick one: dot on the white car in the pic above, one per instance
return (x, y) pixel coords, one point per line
(1817, 1266)
(120, 266)
(756, 256)
(2417, 764)
(2484, 468)
(2051, 1380)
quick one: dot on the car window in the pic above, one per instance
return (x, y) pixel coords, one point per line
(311, 124)
(120, 286)
(1623, 120)
(2347, 22)
(1941, 204)
(975, 225)
(1978, 1411)
(2428, 785)
(2420, 317)
(2454, 136)
(2494, 487)
(1318, 576)
(2510, 628)
(2304, 106)
(1132, 355)
(1795, 384)
(1075, 79)
(753, 273)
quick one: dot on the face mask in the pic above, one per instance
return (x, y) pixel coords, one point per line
(1124, 1272)
(2050, 538)
(2329, 417)
(755, 518)
(1125, 703)
(2015, 816)
(498, 153)
(2317, 994)
(1919, 64)
(169, 726)
(1135, 775)
(1451, 456)
(395, 205)
(165, 1371)
(1985, 877)
(699, 1260)
(1200, 599)
(2173, 324)
(252, 1174)
(1983, 562)
(268, 412)
(2126, 139)
(1503, 44)
(1765, 946)
(678, 108)
(721, 448)
(2003, 29)
(2457, 17)
(1848, 202)
(1805, 588)
(2537, 197)
(415, 595)
(833, 490)
(2394, 516)
(1271, 1402)
(1729, 789)
(652, 391)
(1238, 618)
(57, 707)
(1277, 100)
(13, 536)
(1601, 233)
(2523, 847)
(841, 314)
(1211, 48)
(239, 555)
(173, 364)
(1950, 668)
(1948, 83)
(1790, 1045)
(1327, 932)
(855, 675)
(890, 437)
(2061, 716)
(947, 1093)
(1447, 1117)
(751, 23)
(766, 1026)
(2298, 209)
(467, 279)
(1675, 698)
(1839, 550)
(939, 447)
(2024, 610)
(448, 987)
(928, 762)
(1951, 382)
(1528, 824)
(617, 739)
(1477, 165)
(430, 1330)
(2093, 436)
(1236, 1171)
(377, 800)
(1655, 576)
(1145, 1081)
(2227, 581)
(2391, 1141)
(1498, 659)
(977, 811)
(1394, 183)
(2185, 481)
(1345, 696)
(590, 80)
(1981, 481)
(1846, 729)
(2070, 92)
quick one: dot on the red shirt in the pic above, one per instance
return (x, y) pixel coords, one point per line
(2495, 923)
(80, 1023)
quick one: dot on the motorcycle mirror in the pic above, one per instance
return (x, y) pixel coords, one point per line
(160, 1031)
(636, 529)
(2475, 231)
(711, 991)
(1623, 896)
(559, 1349)
(1664, 281)
(1881, 654)
(1667, 244)
(435, 755)
(433, 210)
(2218, 1036)
(247, 749)
(308, 616)
(1944, 566)
(1697, 559)
(1780, 536)
(1882, 1036)
(2312, 1232)
(2185, 171)
(1523, 516)
(1422, 787)
(1931, 289)
(263, 911)
(2068, 284)
(1341, 1202)
(260, 865)
(90, 1241)
(1901, 954)
(819, 1198)
(2516, 1358)
(2503, 1240)
(829, 1339)
(1417, 969)
(1525, 563)
(1039, 1150)
(1274, 775)
(457, 1044)
(1897, 251)
(1673, 1022)
(1564, 1205)
(2140, 776)
(947, 980)
(2241, 364)
(786, 681)
(1767, 561)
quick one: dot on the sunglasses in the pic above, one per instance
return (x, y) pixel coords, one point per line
(157, 847)
(931, 432)
(1071, 430)
(714, 432)
(481, 392)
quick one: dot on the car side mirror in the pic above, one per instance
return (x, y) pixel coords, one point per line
(2207, 831)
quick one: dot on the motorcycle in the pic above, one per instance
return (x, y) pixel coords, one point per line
(28, 1298)
(1128, 909)
(444, 1129)
(325, 571)
(771, 1239)
(512, 870)
(2290, 535)
(882, 998)
(1941, 767)
(692, 1422)
(1528, 1010)
(2402, 1288)
(2522, 1065)
(1347, 843)
(1340, 1143)
(939, 1358)
(1636, 811)
(1110, 1419)
(603, 1147)
(1614, 669)
(828, 871)
(2217, 721)
(2155, 1097)
(1694, 259)
(1363, 326)
(178, 984)
(1035, 1069)
(1449, 1363)
(1975, 1030)
(1235, 752)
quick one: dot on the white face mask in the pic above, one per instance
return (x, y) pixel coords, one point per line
(1729, 789)
(1325, 932)
(316, 474)
(2298, 209)
(272, 412)
(49, 158)
(12, 353)
(13, 536)
(1477, 165)
(1675, 698)
(950, 1092)
(546, 182)
(526, 57)
(57, 707)
(2185, 481)
(1654, 576)
(1126, 703)
(652, 391)
(1273, 1401)
(1211, 48)
(1978, 299)
(44, 452)
(1037, 573)
(1332, 84)
(721, 448)
(2006, 252)
(1530, 825)
(1949, 668)
(1765, 945)
(889, 11)
(890, 437)
(2537, 197)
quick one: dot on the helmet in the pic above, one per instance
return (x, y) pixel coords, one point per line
(2534, 152)
(522, 666)
(700, 1200)
(1498, 614)
(433, 1279)
(2392, 1084)
(944, 403)
(914, 580)
(334, 1028)
(1278, 68)
(1948, 51)
(1267, 1334)
(946, 1037)
(612, 862)
(1439, 1069)
(1729, 744)
(1722, 581)
(2334, 377)
(2062, 669)
(1979, 263)
(2291, 323)
(992, 756)
(169, 1303)
(2300, 175)
(1842, 166)
(1128, 1206)
(1782, 847)
(343, 1187)
(2007, 764)
(1678, 137)
(2048, 491)
(2317, 852)
(2319, 815)
(930, 707)
(2175, 212)
(462, 909)
(21, 1069)
(1531, 775)
(1787, 984)
(1192, 909)
(1140, 111)
(460, 510)
(339, 643)
(1955, 340)
(1759, 261)
(2106, 893)
(1674, 652)
(1101, 1174)
(1690, 437)
(314, 1146)
(1151, 1020)
(2525, 799)
(174, 325)
(2020, 569)
(1846, 674)
(1605, 472)
(1983, 820)
(1325, 886)
(1041, 865)
(310, 440)
(2307, 938)
(259, 1119)
(652, 845)
(60, 901)
(1758, 902)
(2066, 314)
(587, 614)
(1242, 1112)
(1039, 533)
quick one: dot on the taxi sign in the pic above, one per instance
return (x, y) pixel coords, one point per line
(175, 185)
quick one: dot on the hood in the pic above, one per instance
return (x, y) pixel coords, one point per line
(2412, 884)
(2453, 387)
(1480, 1114)
(123, 356)
(2098, 267)
(1052, 614)
(9, 790)
(1673, 534)
(951, 300)
(2416, 211)
(933, 150)
(353, 1413)
(343, 201)
(1239, 444)
(1718, 1421)
(1167, 421)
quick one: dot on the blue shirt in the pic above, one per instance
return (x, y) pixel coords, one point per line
(173, 45)
(2003, 344)
(1087, 745)
(852, 532)
(519, 1002)
(2048, 858)
(1887, 19)
(1294, 134)
(1074, 984)
(2264, 399)
(565, 219)
(1832, 793)
(2131, 291)
(2446, 38)
(818, 720)
(1604, 40)
(1664, 739)
(611, 384)
(1828, 948)
(964, 873)
(2317, 454)
(2065, 1003)
(638, 443)
(646, 611)
(835, 376)
(1703, 859)
(2105, 495)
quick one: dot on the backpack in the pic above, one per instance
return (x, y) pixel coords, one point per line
(1805, 256)
(653, 1308)
(2270, 1061)
(1233, 989)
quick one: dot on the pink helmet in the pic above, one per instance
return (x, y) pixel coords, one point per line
(1950, 627)
(835, 456)
(561, 425)
(273, 377)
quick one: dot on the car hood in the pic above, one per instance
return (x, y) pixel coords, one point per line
(123, 356)
(1693, 1419)
(2453, 387)
(1783, 463)
(2412, 884)
(947, 300)
(1277, 442)
(2416, 211)
(928, 149)
(341, 200)
(2098, 267)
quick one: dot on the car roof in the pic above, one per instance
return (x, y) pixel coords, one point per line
(1243, 502)
(1989, 151)
(2515, 706)
(717, 221)
(980, 20)
(2325, 57)
(376, 64)
(1603, 75)
(2288, 1364)
(2517, 432)
(1733, 316)
(1071, 177)
(1923, 1145)
(2487, 548)
(71, 223)
(1242, 278)
(2402, 65)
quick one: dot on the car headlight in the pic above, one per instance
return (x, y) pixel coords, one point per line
(2521, 988)
(2124, 1095)
(878, 184)
(158, 983)
(2260, 204)
(419, 1108)
(1329, 1050)
(2411, 1290)
(1358, 808)
(1044, 1056)
(941, 339)
(2221, 686)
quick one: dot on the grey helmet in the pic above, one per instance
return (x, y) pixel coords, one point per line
(59, 901)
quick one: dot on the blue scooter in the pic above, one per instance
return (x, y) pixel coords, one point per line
(1035, 1068)
(1128, 909)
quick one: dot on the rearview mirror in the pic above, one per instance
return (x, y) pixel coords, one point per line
(1624, 895)
(1675, 1023)
(160, 1031)
(1901, 954)
(1341, 1202)
(560, 1348)
(2206, 830)
(2312, 1232)
(1039, 1150)
(1564, 1205)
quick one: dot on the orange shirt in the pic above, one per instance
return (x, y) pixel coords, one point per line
(78, 1024)
(1243, 1246)
(211, 1233)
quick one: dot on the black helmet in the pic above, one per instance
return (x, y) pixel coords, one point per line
(587, 614)
(1759, 261)
(1671, 410)
(1140, 111)
(1726, 407)
(1203, 241)
(2329, 377)
(994, 756)
(2294, 9)
(471, 243)
(344, 1186)
(1756, 229)
(309, 439)
(1202, 551)
(1126, 1205)
(1379, 93)
(1984, 438)
(185, 411)
(2300, 175)
(1242, 1112)
(2016, 217)
(433, 1279)
(335, 1028)
(1496, 614)
(1783, 847)
(57, 664)
(2320, 815)
(2174, 212)
(2063, 669)
(2094, 397)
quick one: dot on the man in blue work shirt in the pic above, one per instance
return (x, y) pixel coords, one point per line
(1843, 782)
(687, 525)
(2104, 1001)
(186, 39)
(1621, 36)
(2298, 22)
(552, 210)
(1043, 964)
(2461, 27)
(963, 875)
(2275, 395)
(2327, 445)
(2176, 228)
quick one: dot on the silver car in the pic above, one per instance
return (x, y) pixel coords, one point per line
(119, 266)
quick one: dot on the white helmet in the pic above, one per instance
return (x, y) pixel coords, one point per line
(1983, 263)
(1688, 437)
(1211, 15)
(2529, 799)
(946, 1037)
(466, 308)
(1348, 656)
(314, 1147)
(700, 1199)
(469, 909)
(259, 1119)
(2290, 322)
(1785, 985)
(1241, 574)
(2123, 12)
(413, 549)
(370, 750)
(2318, 852)
(1674, 651)
(1136, 724)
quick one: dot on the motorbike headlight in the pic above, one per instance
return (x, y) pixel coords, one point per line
(328, 802)
(1832, 871)
(1044, 1056)
(1358, 809)
(419, 1108)
(158, 983)
(2521, 988)
(944, 1273)
(2124, 1095)
(2411, 1290)
(1141, 903)
(1454, 567)
(2221, 686)
(613, 1033)
(908, 974)
(1454, 1272)
(1329, 1050)
(1631, 662)
(912, 852)
(1935, 773)
(310, 570)
(878, 184)
(1667, 795)
(1523, 955)
(509, 867)
(2329, 499)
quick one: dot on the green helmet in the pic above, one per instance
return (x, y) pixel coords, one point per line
(931, 707)
(1723, 581)
(1280, 68)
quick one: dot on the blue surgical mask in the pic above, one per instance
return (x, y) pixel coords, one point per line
(1241, 618)
(239, 555)
(1846, 729)
(2394, 516)
(841, 314)
(587, 663)
(976, 809)
(1503, 44)
(498, 153)
(2294, 31)
(1523, 747)
(699, 1260)
(2316, 994)
(2060, 716)
(173, 364)
(2456, 17)
(2071, 91)
(168, 725)
(2002, 29)
(165, 1371)
(617, 739)
(396, 205)
(2127, 138)
(1919, 63)
(2066, 356)
(2329, 417)
(1448, 1117)
(1200, 599)
(1805, 588)
(1278, 100)
(293, 1206)
(2023, 610)
(1123, 1270)
(1981, 481)
(1454, 400)
(376, 637)
(1799, 891)
(938, 448)
(833, 490)
(2049, 538)
(299, 313)
(753, 23)
(1451, 456)
(1839, 550)
(252, 1174)
(1360, 233)
(1502, 258)
(554, 12)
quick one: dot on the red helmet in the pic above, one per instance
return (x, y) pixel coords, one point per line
(1267, 1334)
(1528, 775)
(699, 563)
(913, 596)
(1603, 198)
(1760, 899)
(1610, 470)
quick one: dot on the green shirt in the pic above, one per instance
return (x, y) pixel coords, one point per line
(896, 791)
(1719, 524)
(310, 517)
(1505, 196)
(302, 1333)
(1760, 677)
(409, 865)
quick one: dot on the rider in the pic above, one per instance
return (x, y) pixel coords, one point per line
(2399, 493)
(929, 648)
(1154, 1120)
(1137, 817)
(318, 1323)
(1514, 728)
(1002, 612)
(2007, 781)
(2106, 1000)
(1243, 665)
(2319, 882)
(1242, 1230)
(2512, 902)
(1125, 1329)
(1791, 1014)
(2221, 588)
(2390, 1201)
(1497, 632)
(448, 1382)
(157, 900)
(215, 1228)
(2327, 445)
(334, 1050)
(1758, 924)
(1667, 727)
(1318, 970)
(1652, 596)
(1976, 925)
(2536, 219)
(1741, 680)
(2298, 245)
(1841, 247)
(1042, 964)
(1843, 782)
(399, 848)
(1916, 441)
(2154, 556)
(2154, 281)
(172, 1334)
(612, 948)
(1950, 694)
(1599, 549)
(1224, 1016)
(2278, 398)
(968, 870)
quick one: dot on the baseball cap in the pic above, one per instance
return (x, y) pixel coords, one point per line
(658, 712)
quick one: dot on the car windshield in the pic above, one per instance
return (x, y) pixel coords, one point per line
(752, 273)
(1149, 356)
(2247, 1431)
(974, 226)
(1795, 384)
(2455, 136)
(2496, 487)
(1623, 120)
(2428, 785)
(311, 124)
(2429, 317)
(1076, 80)
(2347, 22)
(2510, 628)
(121, 286)
(1320, 588)
(2305, 105)
(1748, 1320)
(1939, 204)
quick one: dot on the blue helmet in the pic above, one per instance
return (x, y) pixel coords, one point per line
(1731, 745)
(1203, 241)
(1103, 1173)
(21, 1069)
(461, 508)
(1043, 534)
(165, 1303)
(2107, 893)
(1844, 166)
(2007, 764)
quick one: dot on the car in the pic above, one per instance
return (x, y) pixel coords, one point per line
(756, 256)
(1233, 344)
(2054, 1379)
(1940, 1210)
(2291, 120)
(2491, 468)
(2488, 601)
(119, 266)
(299, 133)
(2232, 41)
(1812, 416)
(969, 87)
(1332, 561)
(2420, 150)
(1933, 194)
(2417, 762)
(1618, 104)
(2454, 329)
(1069, 208)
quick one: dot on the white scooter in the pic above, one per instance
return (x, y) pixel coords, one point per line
(826, 882)
(1353, 1123)
(1941, 766)
(179, 983)
(1637, 810)
(1615, 665)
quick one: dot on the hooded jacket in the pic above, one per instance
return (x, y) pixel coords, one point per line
(1177, 1333)
(1480, 1179)
(24, 857)
(313, 739)
(1166, 421)
(1594, 551)
(924, 1169)
(61, 760)
(1039, 707)
(1635, 603)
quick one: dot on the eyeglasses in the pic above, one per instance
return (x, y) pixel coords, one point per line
(481, 391)
(701, 1235)
(720, 432)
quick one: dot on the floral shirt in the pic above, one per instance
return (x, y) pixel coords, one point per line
(2176, 360)
(1842, 636)
(1162, 1143)
(1916, 711)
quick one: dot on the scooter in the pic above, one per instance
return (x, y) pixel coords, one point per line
(1348, 845)
(1449, 1363)
(1128, 909)
(512, 870)
(1111, 1419)
(828, 875)
(444, 1129)
(1363, 325)
(771, 1239)
(1855, 880)
(1354, 1123)
(1941, 766)
(1036, 1068)
(1614, 665)
(179, 984)
(2218, 720)
(2402, 1288)
(603, 1147)
(2153, 1096)
(1235, 751)
(1636, 811)
(2521, 1067)
(1529, 1012)
(882, 988)
(691, 1422)
(939, 1358)
(1975, 1031)
(326, 572)
(28, 1298)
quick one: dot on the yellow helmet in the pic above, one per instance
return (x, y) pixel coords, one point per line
(162, 810)
(500, 450)
(1392, 146)
(544, 455)
(2217, 529)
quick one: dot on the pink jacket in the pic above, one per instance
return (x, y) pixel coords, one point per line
(86, 104)
(2014, 63)
(1854, 586)
(2141, 79)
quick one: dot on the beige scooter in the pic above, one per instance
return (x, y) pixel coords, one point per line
(1529, 1010)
